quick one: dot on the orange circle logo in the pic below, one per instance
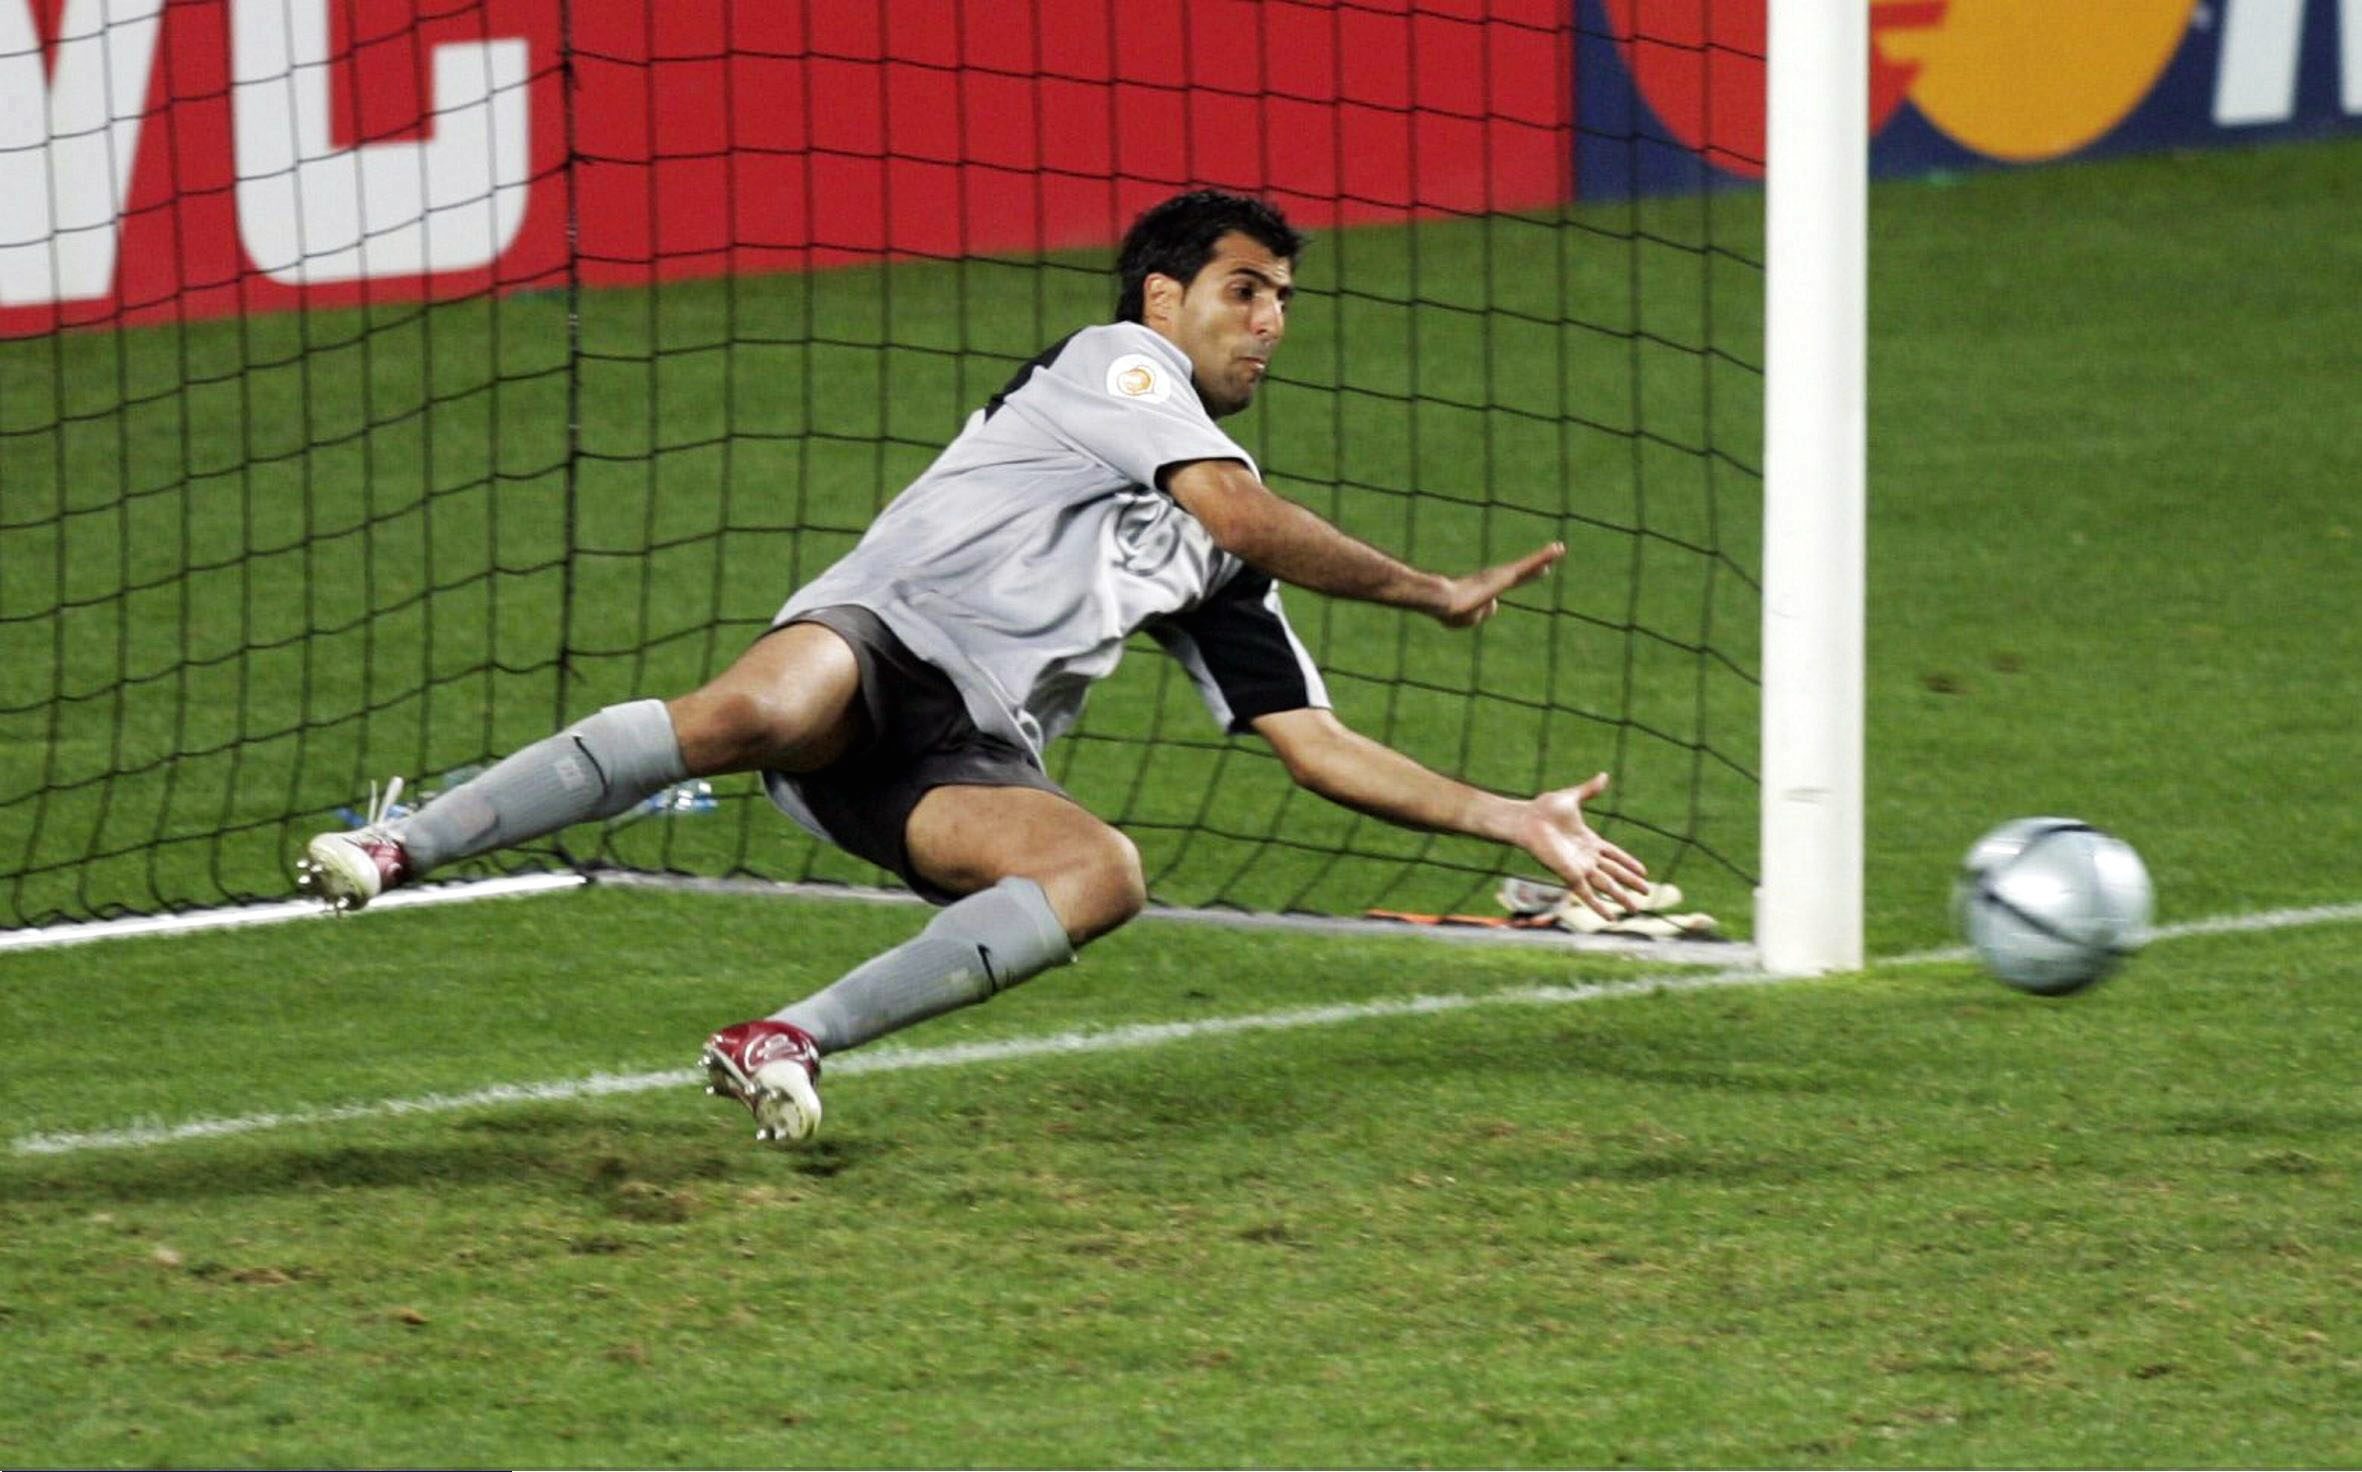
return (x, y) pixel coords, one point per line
(2011, 79)
(2025, 80)
(1136, 381)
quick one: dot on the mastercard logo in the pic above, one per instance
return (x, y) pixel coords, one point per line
(2020, 80)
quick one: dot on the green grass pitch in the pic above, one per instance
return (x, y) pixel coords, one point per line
(1902, 1218)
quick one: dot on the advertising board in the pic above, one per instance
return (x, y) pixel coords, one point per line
(200, 158)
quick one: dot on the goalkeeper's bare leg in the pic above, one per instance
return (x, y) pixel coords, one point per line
(1030, 874)
(790, 702)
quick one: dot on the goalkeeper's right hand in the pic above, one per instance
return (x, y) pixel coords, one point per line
(1470, 600)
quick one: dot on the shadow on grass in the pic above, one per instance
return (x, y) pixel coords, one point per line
(554, 1152)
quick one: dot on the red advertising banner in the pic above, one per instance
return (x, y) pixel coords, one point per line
(167, 159)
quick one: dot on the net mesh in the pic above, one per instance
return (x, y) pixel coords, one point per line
(385, 384)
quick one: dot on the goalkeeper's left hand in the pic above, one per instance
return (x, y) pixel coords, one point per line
(1609, 881)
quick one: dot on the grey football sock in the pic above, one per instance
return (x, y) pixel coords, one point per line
(984, 944)
(597, 768)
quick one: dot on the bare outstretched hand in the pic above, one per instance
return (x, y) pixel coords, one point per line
(1470, 600)
(1601, 875)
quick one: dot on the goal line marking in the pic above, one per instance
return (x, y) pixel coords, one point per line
(1674, 951)
(1089, 1040)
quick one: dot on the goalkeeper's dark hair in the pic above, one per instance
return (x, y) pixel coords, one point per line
(1177, 238)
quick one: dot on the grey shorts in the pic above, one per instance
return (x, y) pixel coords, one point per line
(920, 737)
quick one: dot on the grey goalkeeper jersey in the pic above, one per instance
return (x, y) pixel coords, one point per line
(1021, 560)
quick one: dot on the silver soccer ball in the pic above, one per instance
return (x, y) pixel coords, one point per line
(2052, 905)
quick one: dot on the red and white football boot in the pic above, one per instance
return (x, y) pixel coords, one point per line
(772, 1068)
(350, 869)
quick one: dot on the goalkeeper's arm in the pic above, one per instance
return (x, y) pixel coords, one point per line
(1294, 545)
(1326, 756)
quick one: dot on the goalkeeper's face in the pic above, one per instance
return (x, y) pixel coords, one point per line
(1228, 319)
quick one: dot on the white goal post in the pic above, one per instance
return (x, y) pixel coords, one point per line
(1808, 911)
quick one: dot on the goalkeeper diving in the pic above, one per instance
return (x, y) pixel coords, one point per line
(899, 704)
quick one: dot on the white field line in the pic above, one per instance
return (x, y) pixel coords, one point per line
(1674, 952)
(236, 917)
(1093, 1040)
(1721, 954)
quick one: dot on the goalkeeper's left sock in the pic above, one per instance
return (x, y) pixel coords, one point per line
(983, 944)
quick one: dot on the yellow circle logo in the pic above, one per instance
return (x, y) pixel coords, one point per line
(2020, 80)
(2033, 79)
(1135, 381)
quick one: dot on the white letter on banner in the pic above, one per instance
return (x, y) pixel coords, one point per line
(2263, 40)
(68, 147)
(311, 213)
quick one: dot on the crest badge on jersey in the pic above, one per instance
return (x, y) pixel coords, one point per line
(1136, 376)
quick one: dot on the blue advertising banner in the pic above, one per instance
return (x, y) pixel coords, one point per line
(1669, 93)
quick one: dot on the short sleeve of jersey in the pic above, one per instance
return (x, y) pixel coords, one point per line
(1123, 396)
(1244, 658)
